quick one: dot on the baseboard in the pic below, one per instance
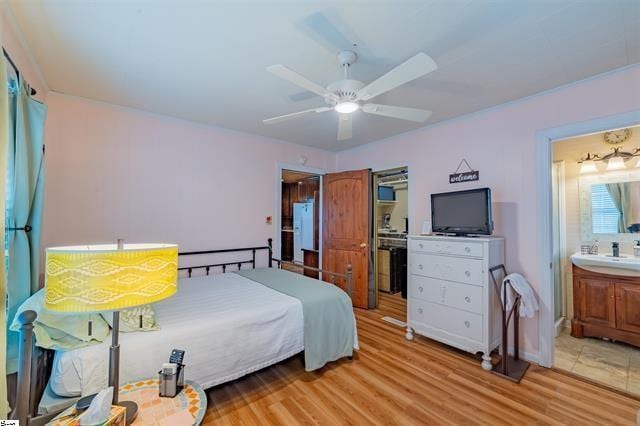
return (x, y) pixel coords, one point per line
(527, 356)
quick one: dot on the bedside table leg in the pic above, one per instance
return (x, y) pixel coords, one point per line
(486, 362)
(409, 335)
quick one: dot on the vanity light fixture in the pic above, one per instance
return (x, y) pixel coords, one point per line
(588, 165)
(615, 160)
(616, 163)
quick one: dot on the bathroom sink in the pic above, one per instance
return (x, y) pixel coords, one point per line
(607, 264)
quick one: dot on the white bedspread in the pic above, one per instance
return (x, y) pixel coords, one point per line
(228, 325)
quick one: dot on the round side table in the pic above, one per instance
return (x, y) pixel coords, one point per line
(154, 410)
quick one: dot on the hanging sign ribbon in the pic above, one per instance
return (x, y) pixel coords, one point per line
(458, 177)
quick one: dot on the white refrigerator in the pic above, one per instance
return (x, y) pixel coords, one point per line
(302, 229)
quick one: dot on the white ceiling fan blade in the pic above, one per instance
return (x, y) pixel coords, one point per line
(295, 115)
(345, 127)
(413, 68)
(403, 113)
(295, 78)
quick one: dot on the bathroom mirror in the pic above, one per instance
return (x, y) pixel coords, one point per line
(615, 208)
(610, 206)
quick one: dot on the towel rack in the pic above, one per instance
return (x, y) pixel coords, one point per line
(511, 366)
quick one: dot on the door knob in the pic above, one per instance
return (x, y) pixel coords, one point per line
(363, 245)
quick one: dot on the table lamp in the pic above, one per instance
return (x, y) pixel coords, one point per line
(109, 278)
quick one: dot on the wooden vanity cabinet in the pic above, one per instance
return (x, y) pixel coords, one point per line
(628, 307)
(606, 306)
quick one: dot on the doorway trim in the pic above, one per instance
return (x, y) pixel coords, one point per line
(544, 140)
(562, 241)
(277, 232)
(374, 210)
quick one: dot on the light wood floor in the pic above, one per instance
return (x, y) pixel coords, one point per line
(392, 381)
(392, 305)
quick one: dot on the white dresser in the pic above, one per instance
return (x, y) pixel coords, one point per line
(451, 297)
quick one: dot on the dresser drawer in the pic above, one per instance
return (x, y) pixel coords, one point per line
(456, 248)
(448, 268)
(456, 295)
(447, 319)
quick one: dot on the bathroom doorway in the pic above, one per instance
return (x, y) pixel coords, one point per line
(391, 226)
(595, 224)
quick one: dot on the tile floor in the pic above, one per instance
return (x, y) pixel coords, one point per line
(614, 364)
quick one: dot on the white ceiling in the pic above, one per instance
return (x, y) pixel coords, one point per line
(205, 60)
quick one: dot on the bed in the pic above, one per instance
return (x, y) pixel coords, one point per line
(235, 325)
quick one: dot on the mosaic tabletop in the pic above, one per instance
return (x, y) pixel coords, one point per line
(154, 410)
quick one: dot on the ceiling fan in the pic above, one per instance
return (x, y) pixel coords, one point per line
(347, 95)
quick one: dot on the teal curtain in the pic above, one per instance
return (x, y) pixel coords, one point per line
(25, 182)
(621, 196)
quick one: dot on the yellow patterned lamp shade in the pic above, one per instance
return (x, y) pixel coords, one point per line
(99, 278)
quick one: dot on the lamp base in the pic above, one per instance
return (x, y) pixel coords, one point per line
(132, 410)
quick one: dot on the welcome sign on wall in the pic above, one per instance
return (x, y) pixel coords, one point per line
(468, 176)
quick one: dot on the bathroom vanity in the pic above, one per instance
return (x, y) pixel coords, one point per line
(606, 298)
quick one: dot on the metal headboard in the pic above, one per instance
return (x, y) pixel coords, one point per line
(328, 276)
(224, 265)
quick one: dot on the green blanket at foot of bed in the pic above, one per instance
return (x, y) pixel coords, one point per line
(328, 314)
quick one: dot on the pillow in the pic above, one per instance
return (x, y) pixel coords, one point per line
(130, 319)
(61, 331)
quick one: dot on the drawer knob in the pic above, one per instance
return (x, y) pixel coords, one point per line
(420, 289)
(467, 299)
(420, 310)
(467, 324)
(467, 249)
(420, 266)
(467, 273)
(420, 245)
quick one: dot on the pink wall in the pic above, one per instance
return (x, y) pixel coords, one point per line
(500, 143)
(11, 42)
(114, 173)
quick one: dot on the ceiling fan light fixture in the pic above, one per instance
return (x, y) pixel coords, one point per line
(347, 107)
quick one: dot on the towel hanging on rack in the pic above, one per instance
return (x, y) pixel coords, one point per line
(528, 300)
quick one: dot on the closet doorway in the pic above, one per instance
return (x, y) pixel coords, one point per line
(390, 230)
(300, 220)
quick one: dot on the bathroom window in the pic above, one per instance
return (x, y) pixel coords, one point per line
(604, 214)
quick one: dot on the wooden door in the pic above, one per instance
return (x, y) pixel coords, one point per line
(345, 229)
(628, 307)
(286, 202)
(597, 302)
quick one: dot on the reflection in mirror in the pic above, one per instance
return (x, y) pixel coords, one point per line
(615, 207)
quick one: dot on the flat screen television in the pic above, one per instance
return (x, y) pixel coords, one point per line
(462, 212)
